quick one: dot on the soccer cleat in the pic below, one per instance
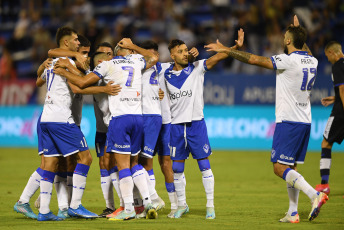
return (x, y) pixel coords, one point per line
(171, 214)
(81, 212)
(317, 202)
(124, 216)
(325, 188)
(181, 211)
(151, 212)
(48, 217)
(159, 204)
(38, 202)
(293, 218)
(210, 213)
(63, 213)
(106, 212)
(24, 209)
(115, 213)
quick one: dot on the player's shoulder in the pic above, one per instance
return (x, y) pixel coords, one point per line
(134, 57)
(339, 64)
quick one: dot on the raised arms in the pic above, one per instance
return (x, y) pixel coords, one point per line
(149, 57)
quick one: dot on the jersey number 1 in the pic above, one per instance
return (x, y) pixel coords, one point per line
(310, 84)
(52, 79)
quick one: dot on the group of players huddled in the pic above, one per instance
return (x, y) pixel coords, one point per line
(143, 107)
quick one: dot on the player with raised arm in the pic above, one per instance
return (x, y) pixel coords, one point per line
(184, 84)
(125, 128)
(295, 76)
(334, 131)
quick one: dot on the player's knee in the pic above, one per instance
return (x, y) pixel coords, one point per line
(278, 170)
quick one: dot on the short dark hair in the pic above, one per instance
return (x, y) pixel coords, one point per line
(174, 43)
(104, 44)
(92, 66)
(63, 31)
(332, 43)
(149, 45)
(84, 42)
(299, 35)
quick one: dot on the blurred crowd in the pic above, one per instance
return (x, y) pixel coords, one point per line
(27, 27)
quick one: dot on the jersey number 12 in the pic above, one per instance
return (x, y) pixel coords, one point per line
(313, 74)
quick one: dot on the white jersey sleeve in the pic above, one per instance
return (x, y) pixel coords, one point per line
(150, 91)
(295, 76)
(165, 102)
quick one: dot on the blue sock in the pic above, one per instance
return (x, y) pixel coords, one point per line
(178, 167)
(48, 176)
(39, 171)
(136, 168)
(170, 187)
(82, 170)
(204, 165)
(104, 173)
(124, 173)
(285, 173)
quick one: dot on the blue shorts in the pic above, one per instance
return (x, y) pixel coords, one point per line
(125, 134)
(39, 136)
(100, 142)
(290, 143)
(151, 129)
(163, 144)
(189, 137)
(62, 139)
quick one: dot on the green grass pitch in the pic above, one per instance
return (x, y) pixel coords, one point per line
(247, 195)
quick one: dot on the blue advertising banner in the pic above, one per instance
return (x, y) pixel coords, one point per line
(229, 127)
(258, 89)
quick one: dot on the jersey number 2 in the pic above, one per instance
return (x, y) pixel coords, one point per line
(306, 71)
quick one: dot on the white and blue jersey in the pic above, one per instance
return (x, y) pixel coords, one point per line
(295, 75)
(151, 109)
(188, 128)
(60, 135)
(126, 125)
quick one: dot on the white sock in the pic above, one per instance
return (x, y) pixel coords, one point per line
(137, 198)
(140, 182)
(208, 183)
(296, 180)
(70, 188)
(115, 181)
(126, 186)
(151, 186)
(79, 184)
(46, 191)
(173, 199)
(61, 192)
(107, 189)
(293, 194)
(179, 184)
(30, 188)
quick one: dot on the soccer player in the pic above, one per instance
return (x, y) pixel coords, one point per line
(184, 84)
(125, 128)
(334, 131)
(62, 136)
(295, 74)
(105, 47)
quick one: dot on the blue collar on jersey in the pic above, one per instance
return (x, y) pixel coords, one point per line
(178, 80)
(300, 52)
(158, 67)
(119, 57)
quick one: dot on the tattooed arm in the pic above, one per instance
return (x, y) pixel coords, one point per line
(241, 55)
(149, 57)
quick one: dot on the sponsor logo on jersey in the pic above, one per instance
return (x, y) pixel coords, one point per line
(286, 157)
(146, 148)
(185, 93)
(121, 146)
(155, 98)
(273, 152)
(301, 104)
(307, 61)
(129, 99)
